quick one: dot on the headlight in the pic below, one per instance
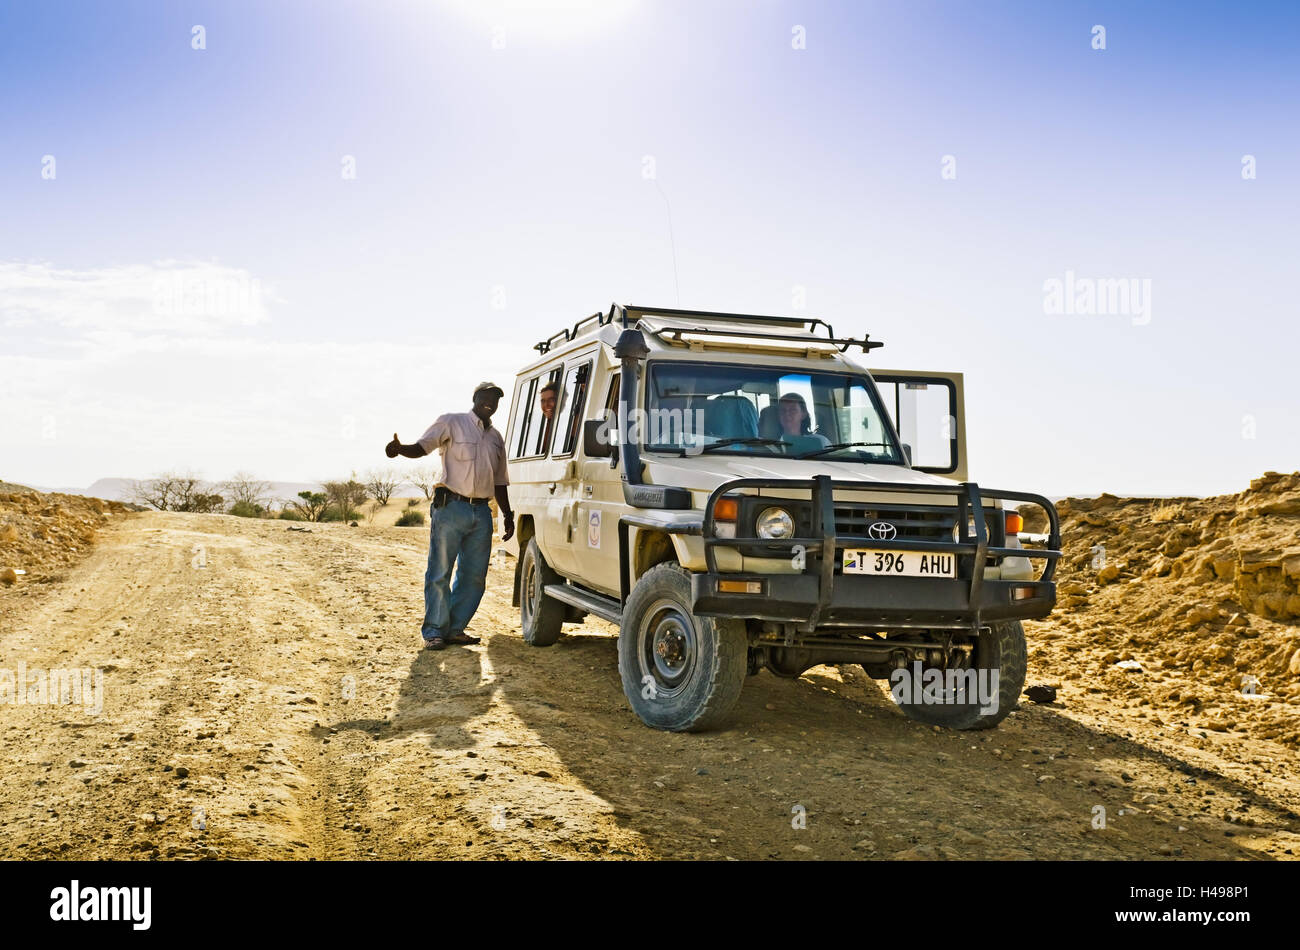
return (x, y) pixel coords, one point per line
(970, 529)
(774, 523)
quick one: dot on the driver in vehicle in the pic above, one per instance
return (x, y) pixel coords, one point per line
(796, 424)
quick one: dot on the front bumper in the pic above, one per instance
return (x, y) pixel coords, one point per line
(886, 602)
(819, 597)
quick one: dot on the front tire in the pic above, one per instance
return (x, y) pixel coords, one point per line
(540, 617)
(1000, 647)
(680, 672)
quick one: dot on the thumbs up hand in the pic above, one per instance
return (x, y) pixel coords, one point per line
(392, 448)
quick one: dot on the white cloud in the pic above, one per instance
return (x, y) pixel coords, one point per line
(128, 392)
(165, 297)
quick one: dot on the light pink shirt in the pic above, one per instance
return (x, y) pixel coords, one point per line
(473, 460)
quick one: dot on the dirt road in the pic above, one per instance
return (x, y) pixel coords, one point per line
(264, 696)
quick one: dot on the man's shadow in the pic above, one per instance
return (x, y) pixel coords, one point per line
(443, 692)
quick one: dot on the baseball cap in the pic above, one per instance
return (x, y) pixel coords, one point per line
(491, 386)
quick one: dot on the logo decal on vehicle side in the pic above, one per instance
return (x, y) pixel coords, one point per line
(593, 529)
(882, 531)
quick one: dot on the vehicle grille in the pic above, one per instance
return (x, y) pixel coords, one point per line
(922, 524)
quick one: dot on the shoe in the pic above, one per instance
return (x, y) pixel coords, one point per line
(435, 643)
(463, 638)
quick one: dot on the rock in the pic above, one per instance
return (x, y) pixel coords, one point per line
(1041, 694)
(8, 576)
(1294, 666)
(922, 852)
(1129, 666)
(182, 772)
(1108, 574)
(802, 848)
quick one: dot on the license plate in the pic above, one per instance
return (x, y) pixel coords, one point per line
(899, 563)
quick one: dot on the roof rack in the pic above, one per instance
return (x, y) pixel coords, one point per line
(629, 313)
(564, 336)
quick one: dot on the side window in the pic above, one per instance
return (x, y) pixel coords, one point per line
(924, 414)
(611, 401)
(573, 396)
(523, 416)
(546, 432)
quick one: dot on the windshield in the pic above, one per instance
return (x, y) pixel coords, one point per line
(693, 408)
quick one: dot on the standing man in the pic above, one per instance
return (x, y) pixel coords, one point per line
(460, 529)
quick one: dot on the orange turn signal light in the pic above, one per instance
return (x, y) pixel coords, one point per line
(1015, 523)
(740, 587)
(726, 509)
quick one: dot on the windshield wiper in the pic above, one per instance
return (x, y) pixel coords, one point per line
(743, 441)
(839, 445)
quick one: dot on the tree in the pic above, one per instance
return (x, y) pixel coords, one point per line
(381, 483)
(426, 478)
(206, 503)
(345, 497)
(173, 491)
(312, 505)
(243, 488)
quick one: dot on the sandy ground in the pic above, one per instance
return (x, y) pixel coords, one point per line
(264, 696)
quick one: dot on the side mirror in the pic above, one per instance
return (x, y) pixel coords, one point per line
(598, 438)
(907, 453)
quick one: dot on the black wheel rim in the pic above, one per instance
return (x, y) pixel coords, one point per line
(669, 646)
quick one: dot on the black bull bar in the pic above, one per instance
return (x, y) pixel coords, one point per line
(815, 597)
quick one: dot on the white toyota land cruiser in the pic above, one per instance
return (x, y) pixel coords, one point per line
(736, 494)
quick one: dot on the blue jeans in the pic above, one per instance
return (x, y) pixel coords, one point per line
(459, 534)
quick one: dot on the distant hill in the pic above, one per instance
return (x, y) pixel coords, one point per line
(119, 489)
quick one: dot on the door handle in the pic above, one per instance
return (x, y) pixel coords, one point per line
(552, 488)
(588, 489)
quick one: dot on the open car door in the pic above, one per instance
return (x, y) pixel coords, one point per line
(929, 413)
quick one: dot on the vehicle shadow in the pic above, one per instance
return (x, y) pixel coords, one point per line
(837, 748)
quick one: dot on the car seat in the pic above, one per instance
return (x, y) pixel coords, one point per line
(769, 422)
(730, 417)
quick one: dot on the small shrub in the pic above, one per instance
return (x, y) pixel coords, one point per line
(247, 509)
(409, 518)
(288, 514)
(412, 502)
(333, 513)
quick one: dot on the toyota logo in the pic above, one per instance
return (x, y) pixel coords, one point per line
(882, 531)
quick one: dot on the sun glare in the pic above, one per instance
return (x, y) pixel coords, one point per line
(551, 21)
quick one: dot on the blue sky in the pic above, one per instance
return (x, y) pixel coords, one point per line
(499, 193)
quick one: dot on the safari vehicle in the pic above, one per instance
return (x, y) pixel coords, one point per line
(736, 494)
